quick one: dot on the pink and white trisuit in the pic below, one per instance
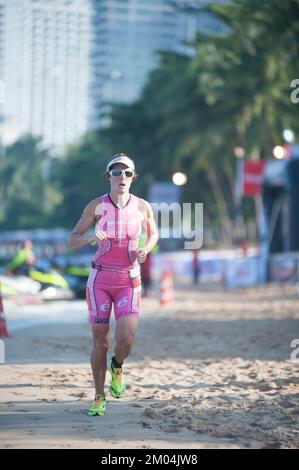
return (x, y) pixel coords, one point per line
(115, 275)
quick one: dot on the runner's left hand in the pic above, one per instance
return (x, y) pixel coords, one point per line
(141, 255)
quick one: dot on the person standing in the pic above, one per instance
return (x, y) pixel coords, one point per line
(23, 261)
(196, 266)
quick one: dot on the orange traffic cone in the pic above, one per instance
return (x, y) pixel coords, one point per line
(166, 288)
(3, 329)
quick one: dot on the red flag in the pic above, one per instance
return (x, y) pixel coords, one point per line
(252, 177)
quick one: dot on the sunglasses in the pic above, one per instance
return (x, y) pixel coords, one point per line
(127, 173)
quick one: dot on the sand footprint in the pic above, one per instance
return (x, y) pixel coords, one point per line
(83, 428)
(79, 395)
(160, 404)
(169, 429)
(152, 413)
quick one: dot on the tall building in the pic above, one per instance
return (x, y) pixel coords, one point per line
(1, 58)
(46, 69)
(62, 60)
(129, 33)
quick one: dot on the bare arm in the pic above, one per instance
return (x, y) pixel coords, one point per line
(79, 236)
(151, 232)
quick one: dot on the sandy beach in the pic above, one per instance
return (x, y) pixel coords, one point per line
(213, 370)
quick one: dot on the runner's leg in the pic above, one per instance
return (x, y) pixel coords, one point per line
(101, 341)
(124, 336)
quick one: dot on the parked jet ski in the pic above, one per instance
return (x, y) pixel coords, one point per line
(45, 283)
(53, 285)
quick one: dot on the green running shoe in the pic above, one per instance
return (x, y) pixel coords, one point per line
(117, 387)
(98, 407)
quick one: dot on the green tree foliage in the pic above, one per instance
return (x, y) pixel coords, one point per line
(78, 176)
(234, 91)
(26, 200)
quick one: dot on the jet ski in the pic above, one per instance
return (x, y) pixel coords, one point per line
(44, 283)
(53, 285)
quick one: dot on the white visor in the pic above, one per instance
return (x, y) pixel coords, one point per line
(122, 159)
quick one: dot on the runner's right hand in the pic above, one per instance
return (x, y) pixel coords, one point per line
(100, 235)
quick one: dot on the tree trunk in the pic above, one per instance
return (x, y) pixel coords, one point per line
(239, 222)
(226, 225)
